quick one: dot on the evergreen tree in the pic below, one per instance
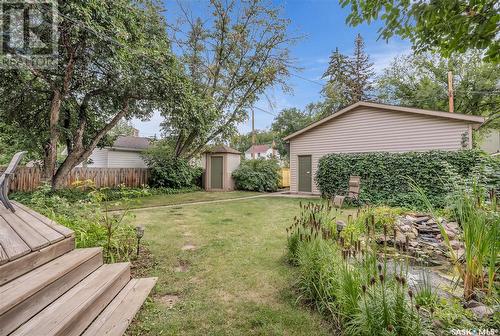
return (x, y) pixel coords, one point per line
(349, 79)
(336, 89)
(361, 72)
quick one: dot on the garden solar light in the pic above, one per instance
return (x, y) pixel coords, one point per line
(139, 233)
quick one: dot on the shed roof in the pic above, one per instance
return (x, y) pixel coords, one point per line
(223, 149)
(457, 116)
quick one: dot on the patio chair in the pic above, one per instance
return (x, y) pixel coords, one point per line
(5, 179)
(353, 192)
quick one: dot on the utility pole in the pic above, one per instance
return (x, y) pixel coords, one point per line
(253, 133)
(450, 91)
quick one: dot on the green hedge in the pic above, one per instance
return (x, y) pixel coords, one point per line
(385, 176)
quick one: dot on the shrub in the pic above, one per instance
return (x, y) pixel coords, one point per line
(81, 212)
(385, 176)
(257, 175)
(171, 172)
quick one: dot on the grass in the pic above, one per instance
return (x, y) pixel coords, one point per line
(190, 197)
(237, 280)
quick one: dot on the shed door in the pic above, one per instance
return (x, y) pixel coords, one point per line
(305, 181)
(216, 172)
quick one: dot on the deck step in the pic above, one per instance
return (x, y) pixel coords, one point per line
(71, 313)
(30, 261)
(25, 296)
(115, 319)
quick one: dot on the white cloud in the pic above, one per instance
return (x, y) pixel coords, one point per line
(383, 54)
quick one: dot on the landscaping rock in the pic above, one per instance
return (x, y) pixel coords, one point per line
(480, 310)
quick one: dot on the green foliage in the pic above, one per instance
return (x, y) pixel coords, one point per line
(232, 56)
(385, 176)
(168, 171)
(257, 175)
(83, 213)
(448, 27)
(313, 220)
(480, 223)
(422, 81)
(242, 142)
(349, 288)
(349, 79)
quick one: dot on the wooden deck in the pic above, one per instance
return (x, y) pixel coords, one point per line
(27, 231)
(47, 287)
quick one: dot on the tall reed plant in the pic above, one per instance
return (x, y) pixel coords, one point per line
(480, 224)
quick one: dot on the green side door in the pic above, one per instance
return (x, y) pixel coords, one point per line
(305, 176)
(216, 172)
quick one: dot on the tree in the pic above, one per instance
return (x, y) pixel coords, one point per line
(360, 72)
(421, 81)
(291, 120)
(122, 128)
(447, 27)
(242, 142)
(349, 79)
(114, 62)
(232, 59)
(337, 87)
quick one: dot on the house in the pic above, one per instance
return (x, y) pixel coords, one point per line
(126, 152)
(373, 127)
(261, 151)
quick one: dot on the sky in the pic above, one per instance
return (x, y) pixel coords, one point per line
(322, 23)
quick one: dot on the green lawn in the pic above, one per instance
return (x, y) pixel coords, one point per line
(236, 281)
(189, 197)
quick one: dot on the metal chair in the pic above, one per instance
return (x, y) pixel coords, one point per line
(353, 192)
(5, 179)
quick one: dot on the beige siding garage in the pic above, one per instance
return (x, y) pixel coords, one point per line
(368, 127)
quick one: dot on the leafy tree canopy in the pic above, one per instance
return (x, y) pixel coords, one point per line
(448, 27)
(114, 62)
(422, 81)
(232, 58)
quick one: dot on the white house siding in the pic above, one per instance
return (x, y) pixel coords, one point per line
(125, 159)
(99, 159)
(375, 130)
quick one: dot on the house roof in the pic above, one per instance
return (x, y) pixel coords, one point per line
(254, 149)
(131, 143)
(457, 116)
(223, 149)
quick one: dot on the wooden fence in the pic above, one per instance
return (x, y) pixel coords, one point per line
(29, 178)
(285, 177)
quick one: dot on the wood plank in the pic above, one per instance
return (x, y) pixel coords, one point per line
(77, 308)
(49, 222)
(30, 236)
(26, 309)
(20, 266)
(43, 229)
(117, 316)
(28, 284)
(11, 243)
(4, 258)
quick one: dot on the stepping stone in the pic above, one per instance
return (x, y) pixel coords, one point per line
(169, 301)
(188, 247)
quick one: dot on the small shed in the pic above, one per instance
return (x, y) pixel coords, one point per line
(220, 162)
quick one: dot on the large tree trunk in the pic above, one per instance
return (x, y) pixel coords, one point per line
(50, 159)
(79, 153)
